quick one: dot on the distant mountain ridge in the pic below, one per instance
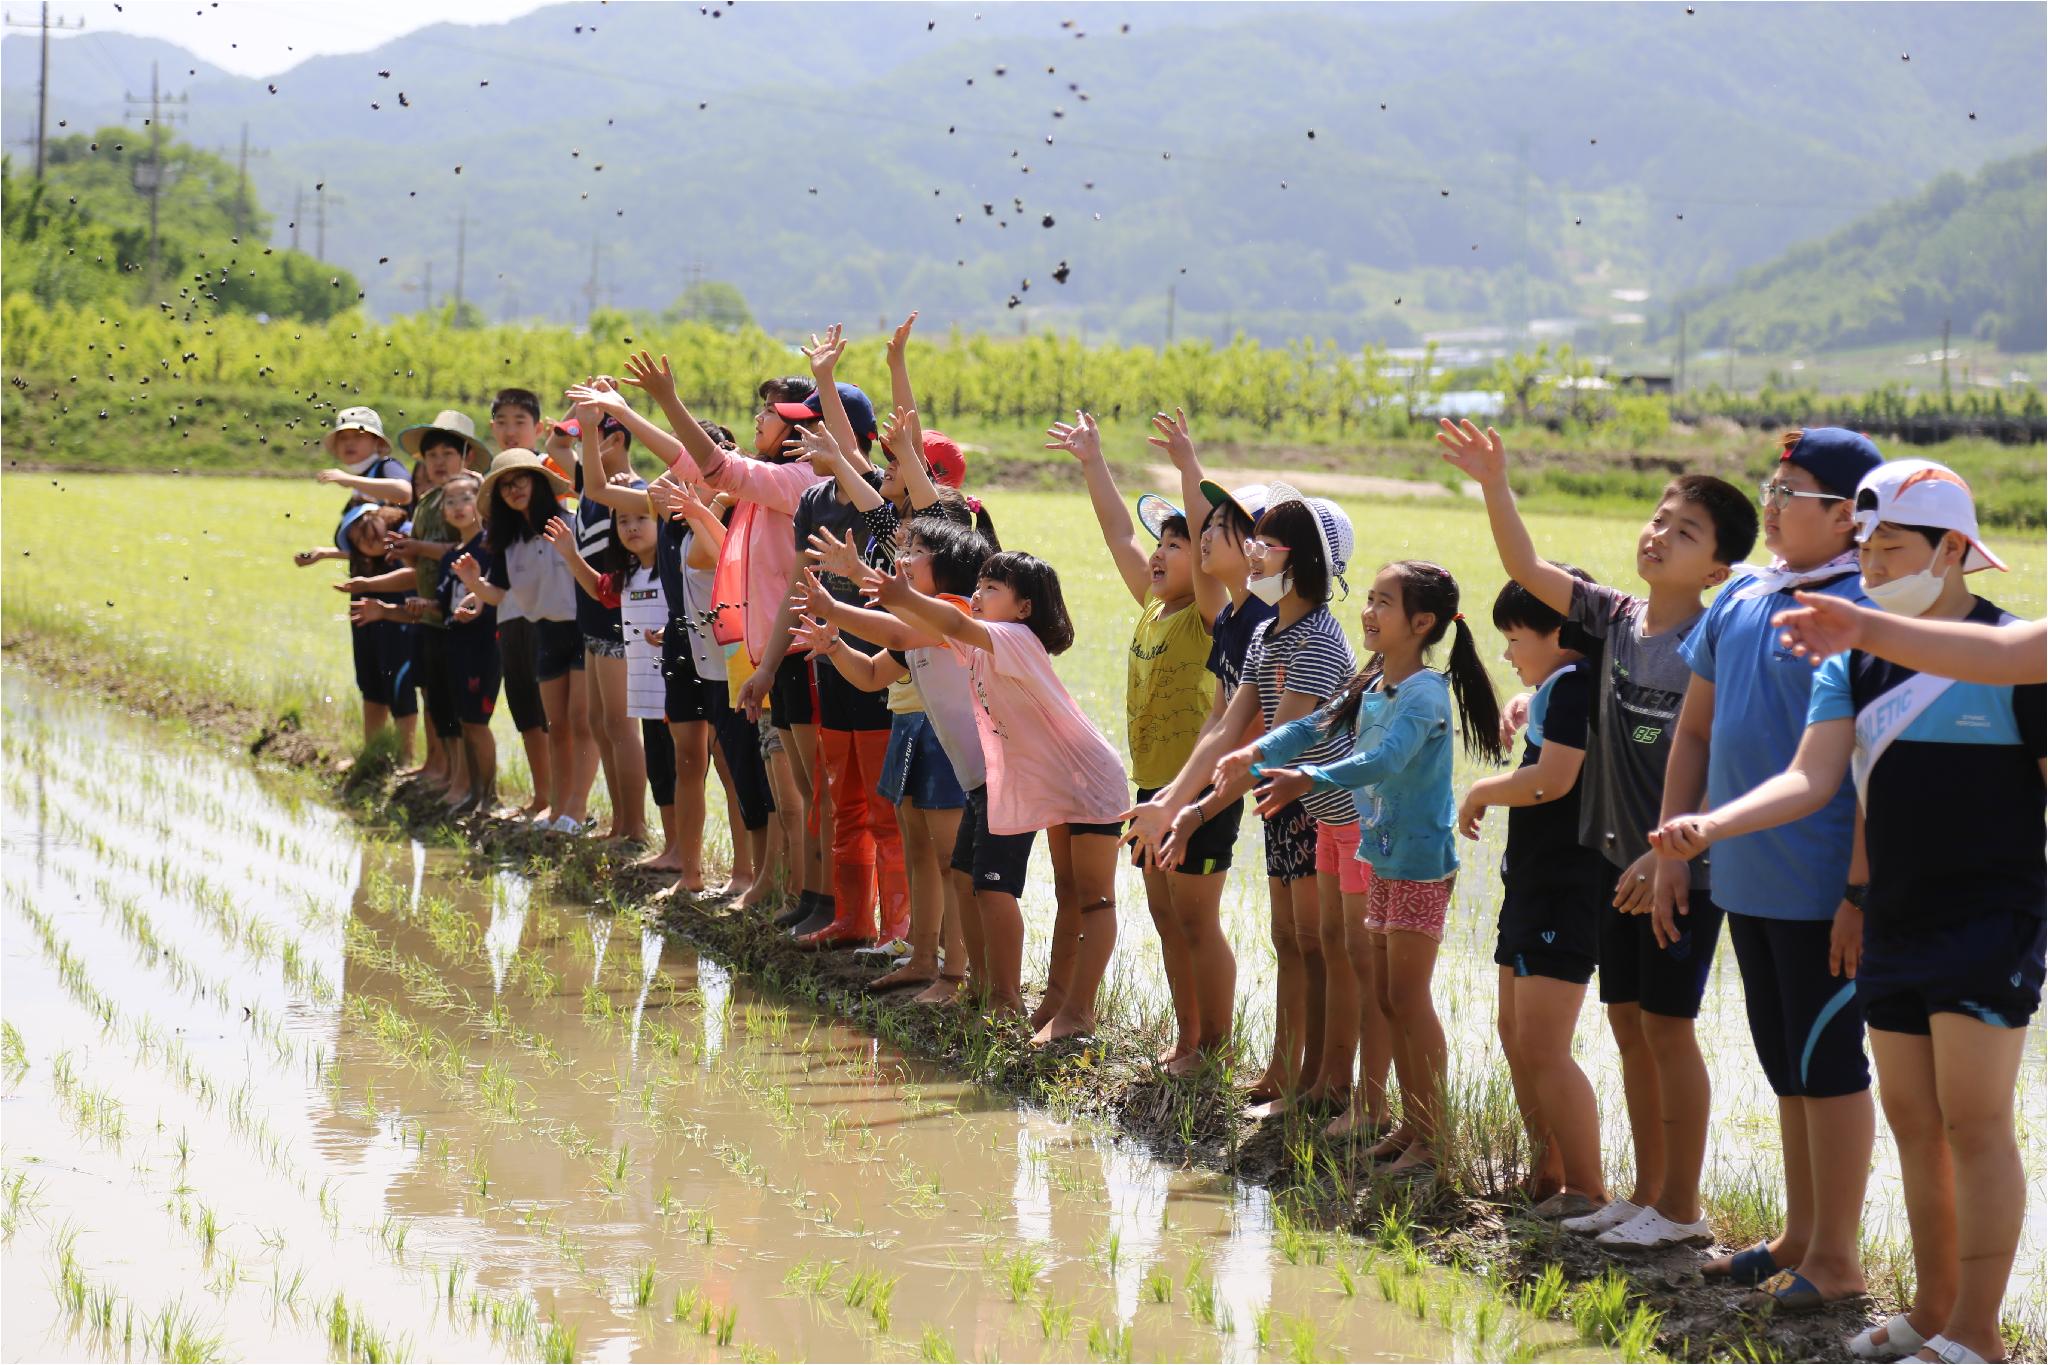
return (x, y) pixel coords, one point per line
(845, 161)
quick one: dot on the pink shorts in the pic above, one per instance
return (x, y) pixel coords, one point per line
(1409, 907)
(1337, 856)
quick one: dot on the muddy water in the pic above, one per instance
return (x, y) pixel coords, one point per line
(257, 1064)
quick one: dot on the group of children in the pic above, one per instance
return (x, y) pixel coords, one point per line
(830, 622)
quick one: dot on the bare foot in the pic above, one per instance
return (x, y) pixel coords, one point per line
(659, 862)
(911, 973)
(455, 799)
(1062, 1026)
(533, 808)
(1266, 1089)
(1393, 1145)
(1355, 1121)
(1186, 1064)
(944, 990)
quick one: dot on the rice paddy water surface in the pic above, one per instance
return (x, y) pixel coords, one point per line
(280, 1090)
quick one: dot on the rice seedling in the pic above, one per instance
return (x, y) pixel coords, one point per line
(1543, 1296)
(1108, 1342)
(936, 1348)
(558, 1343)
(13, 1052)
(175, 1335)
(643, 1286)
(1021, 1270)
(1055, 1319)
(1159, 1287)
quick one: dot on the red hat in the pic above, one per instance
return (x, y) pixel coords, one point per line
(942, 456)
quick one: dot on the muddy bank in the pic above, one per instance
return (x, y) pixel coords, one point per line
(1198, 1122)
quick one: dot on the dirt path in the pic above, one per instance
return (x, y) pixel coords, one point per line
(1315, 482)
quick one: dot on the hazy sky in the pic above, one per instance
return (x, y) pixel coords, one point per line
(263, 37)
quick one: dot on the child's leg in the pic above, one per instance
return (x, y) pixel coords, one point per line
(927, 901)
(1543, 1177)
(786, 833)
(1976, 1065)
(629, 760)
(814, 813)
(870, 752)
(691, 740)
(1340, 996)
(1197, 905)
(1283, 1070)
(1065, 949)
(1370, 1101)
(1912, 1109)
(600, 731)
(1175, 958)
(1002, 931)
(586, 754)
(1400, 1045)
(1642, 1094)
(1685, 1095)
(1090, 861)
(658, 757)
(1546, 1015)
(1411, 963)
(852, 849)
(375, 716)
(406, 726)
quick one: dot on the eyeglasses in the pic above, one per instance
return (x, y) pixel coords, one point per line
(1777, 493)
(1259, 549)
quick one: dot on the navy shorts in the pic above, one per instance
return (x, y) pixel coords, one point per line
(474, 672)
(1990, 969)
(993, 862)
(1210, 848)
(558, 647)
(792, 696)
(384, 666)
(1291, 844)
(1806, 1022)
(1667, 981)
(916, 767)
(685, 696)
(1552, 931)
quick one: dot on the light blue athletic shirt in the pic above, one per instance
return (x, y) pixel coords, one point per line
(1761, 690)
(1398, 773)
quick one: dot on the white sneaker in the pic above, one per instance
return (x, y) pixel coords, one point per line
(567, 824)
(1649, 1230)
(1611, 1214)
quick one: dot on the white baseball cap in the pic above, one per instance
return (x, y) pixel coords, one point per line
(355, 419)
(1922, 493)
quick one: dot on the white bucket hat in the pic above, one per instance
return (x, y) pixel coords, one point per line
(355, 419)
(1331, 524)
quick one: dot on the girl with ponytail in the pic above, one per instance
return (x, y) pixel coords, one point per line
(1399, 776)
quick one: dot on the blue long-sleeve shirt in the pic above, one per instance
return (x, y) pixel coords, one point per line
(1398, 772)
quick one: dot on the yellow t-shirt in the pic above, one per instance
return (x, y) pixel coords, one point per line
(1168, 691)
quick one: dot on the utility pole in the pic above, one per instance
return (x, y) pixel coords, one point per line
(1731, 367)
(1944, 363)
(149, 177)
(321, 199)
(43, 75)
(298, 212)
(243, 201)
(590, 290)
(1169, 312)
(1678, 384)
(461, 240)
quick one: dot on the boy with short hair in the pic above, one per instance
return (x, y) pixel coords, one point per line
(1786, 891)
(445, 446)
(359, 446)
(1555, 890)
(1652, 976)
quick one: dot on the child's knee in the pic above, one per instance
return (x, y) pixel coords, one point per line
(1406, 999)
(1979, 1135)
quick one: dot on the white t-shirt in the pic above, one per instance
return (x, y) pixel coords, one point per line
(643, 607)
(941, 678)
(538, 584)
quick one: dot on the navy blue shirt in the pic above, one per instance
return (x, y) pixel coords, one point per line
(1231, 637)
(452, 589)
(593, 537)
(1543, 850)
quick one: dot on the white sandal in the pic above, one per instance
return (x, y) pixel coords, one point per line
(1900, 1341)
(1954, 1352)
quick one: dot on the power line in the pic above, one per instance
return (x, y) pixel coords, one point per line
(43, 74)
(149, 176)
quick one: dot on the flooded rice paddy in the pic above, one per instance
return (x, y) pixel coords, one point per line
(276, 1090)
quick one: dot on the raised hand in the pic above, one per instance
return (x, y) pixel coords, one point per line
(1819, 626)
(898, 345)
(465, 568)
(1173, 438)
(890, 588)
(814, 442)
(1078, 438)
(663, 493)
(824, 355)
(657, 381)
(590, 400)
(814, 636)
(560, 536)
(809, 597)
(1476, 454)
(834, 555)
(330, 476)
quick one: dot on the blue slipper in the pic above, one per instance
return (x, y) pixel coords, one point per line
(1751, 1267)
(1788, 1291)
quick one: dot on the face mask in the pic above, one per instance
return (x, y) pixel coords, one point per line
(361, 466)
(1911, 595)
(1269, 589)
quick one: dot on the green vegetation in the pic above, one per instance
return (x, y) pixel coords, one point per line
(1963, 252)
(81, 236)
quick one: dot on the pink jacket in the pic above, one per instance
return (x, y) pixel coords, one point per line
(760, 545)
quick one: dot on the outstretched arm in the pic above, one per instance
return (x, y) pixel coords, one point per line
(824, 357)
(942, 619)
(1081, 440)
(564, 540)
(1172, 437)
(868, 672)
(1968, 651)
(398, 491)
(818, 442)
(700, 454)
(1811, 782)
(879, 626)
(1480, 457)
(395, 581)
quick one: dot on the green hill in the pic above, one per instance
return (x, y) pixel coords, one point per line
(1969, 252)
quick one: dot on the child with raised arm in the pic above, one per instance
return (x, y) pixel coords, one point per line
(1651, 979)
(1398, 772)
(752, 583)
(942, 559)
(1948, 965)
(362, 454)
(1049, 769)
(604, 448)
(1554, 890)
(1782, 890)
(471, 646)
(516, 425)
(1168, 693)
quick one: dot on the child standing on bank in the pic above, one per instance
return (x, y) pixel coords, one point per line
(382, 647)
(1782, 889)
(1949, 964)
(471, 648)
(516, 425)
(1398, 772)
(1049, 769)
(1168, 692)
(1651, 978)
(1554, 892)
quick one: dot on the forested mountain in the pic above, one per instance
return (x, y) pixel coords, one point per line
(1360, 172)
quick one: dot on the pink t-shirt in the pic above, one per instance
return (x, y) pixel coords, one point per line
(1047, 763)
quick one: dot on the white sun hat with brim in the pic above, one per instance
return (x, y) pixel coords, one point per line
(356, 419)
(456, 424)
(1922, 493)
(1331, 524)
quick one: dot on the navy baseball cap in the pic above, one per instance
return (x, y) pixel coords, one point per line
(859, 411)
(1837, 457)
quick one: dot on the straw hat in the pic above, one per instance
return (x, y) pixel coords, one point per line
(456, 424)
(511, 462)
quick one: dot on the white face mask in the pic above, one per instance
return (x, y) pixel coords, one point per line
(361, 466)
(1910, 595)
(1269, 589)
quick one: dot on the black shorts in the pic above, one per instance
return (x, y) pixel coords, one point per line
(1806, 1022)
(1988, 968)
(685, 696)
(474, 673)
(384, 666)
(739, 739)
(516, 648)
(1291, 844)
(430, 665)
(659, 749)
(1210, 848)
(558, 647)
(792, 695)
(842, 706)
(996, 862)
(1667, 981)
(1552, 931)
